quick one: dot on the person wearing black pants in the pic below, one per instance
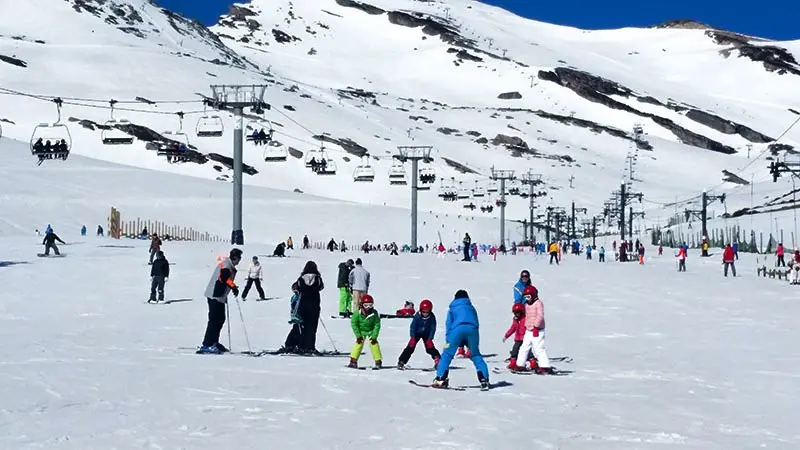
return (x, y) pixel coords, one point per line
(467, 243)
(217, 295)
(303, 336)
(253, 276)
(159, 272)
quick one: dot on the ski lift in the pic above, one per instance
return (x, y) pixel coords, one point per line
(364, 172)
(328, 167)
(174, 152)
(469, 205)
(479, 190)
(427, 176)
(255, 133)
(314, 155)
(111, 135)
(492, 186)
(275, 152)
(487, 206)
(209, 125)
(463, 193)
(51, 141)
(178, 136)
(514, 187)
(397, 174)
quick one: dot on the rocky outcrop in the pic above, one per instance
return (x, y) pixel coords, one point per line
(238, 12)
(282, 37)
(774, 58)
(684, 24)
(369, 9)
(731, 177)
(727, 126)
(510, 96)
(446, 130)
(348, 145)
(463, 54)
(13, 61)
(227, 161)
(458, 166)
(510, 141)
(778, 148)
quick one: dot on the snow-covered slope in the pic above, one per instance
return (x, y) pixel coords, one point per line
(372, 76)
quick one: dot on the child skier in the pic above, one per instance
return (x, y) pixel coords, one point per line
(517, 329)
(407, 310)
(423, 326)
(366, 323)
(461, 329)
(534, 332)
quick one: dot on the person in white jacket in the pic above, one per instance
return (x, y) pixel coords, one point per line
(359, 283)
(254, 276)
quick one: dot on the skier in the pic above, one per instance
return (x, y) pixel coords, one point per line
(83, 230)
(343, 283)
(727, 260)
(517, 329)
(796, 267)
(534, 332)
(462, 328)
(280, 250)
(553, 250)
(359, 283)
(407, 310)
(332, 245)
(681, 259)
(366, 324)
(423, 327)
(303, 336)
(467, 242)
(601, 254)
(589, 252)
(290, 243)
(49, 241)
(221, 283)
(155, 246)
(660, 250)
(99, 231)
(254, 276)
(524, 281)
(159, 273)
(641, 253)
(306, 243)
(779, 253)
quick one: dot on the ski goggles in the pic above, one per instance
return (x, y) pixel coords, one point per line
(367, 305)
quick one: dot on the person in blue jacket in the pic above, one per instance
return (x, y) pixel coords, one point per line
(423, 326)
(524, 280)
(461, 328)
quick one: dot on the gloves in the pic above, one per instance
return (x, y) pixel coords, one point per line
(235, 291)
(359, 340)
(535, 332)
(504, 339)
(373, 341)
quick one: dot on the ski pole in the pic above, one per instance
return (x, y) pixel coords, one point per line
(228, 314)
(244, 327)
(329, 335)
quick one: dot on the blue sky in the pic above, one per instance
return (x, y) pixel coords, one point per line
(768, 18)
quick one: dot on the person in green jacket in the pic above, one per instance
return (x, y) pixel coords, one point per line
(345, 293)
(366, 323)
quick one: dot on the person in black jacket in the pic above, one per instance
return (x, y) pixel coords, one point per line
(343, 283)
(303, 336)
(49, 242)
(159, 272)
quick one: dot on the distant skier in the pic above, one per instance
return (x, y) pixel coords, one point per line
(423, 327)
(358, 279)
(280, 250)
(155, 246)
(728, 260)
(222, 283)
(159, 273)
(253, 276)
(99, 231)
(553, 251)
(306, 243)
(601, 254)
(290, 243)
(681, 259)
(49, 241)
(83, 230)
(343, 283)
(461, 329)
(467, 245)
(779, 252)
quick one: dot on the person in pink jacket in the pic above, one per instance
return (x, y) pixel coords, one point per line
(518, 330)
(534, 331)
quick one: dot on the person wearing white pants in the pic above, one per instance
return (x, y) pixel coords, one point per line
(534, 331)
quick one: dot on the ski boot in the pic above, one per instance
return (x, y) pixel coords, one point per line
(208, 350)
(435, 363)
(378, 365)
(221, 348)
(353, 363)
(534, 364)
(400, 365)
(484, 380)
(467, 354)
(460, 352)
(545, 371)
(512, 364)
(440, 383)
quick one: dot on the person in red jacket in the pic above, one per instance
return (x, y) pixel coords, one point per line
(681, 259)
(727, 260)
(517, 328)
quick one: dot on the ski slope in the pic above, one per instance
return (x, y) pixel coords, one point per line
(661, 359)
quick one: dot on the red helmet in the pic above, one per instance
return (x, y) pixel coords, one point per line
(531, 290)
(518, 308)
(367, 299)
(426, 305)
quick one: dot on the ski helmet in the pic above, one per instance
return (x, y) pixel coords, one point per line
(518, 308)
(426, 306)
(531, 290)
(367, 299)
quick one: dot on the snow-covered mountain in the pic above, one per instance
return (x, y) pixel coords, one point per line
(482, 86)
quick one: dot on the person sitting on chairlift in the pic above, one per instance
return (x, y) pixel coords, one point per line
(262, 137)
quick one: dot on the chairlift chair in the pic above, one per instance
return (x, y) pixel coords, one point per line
(254, 127)
(210, 126)
(313, 155)
(479, 190)
(364, 172)
(275, 152)
(427, 176)
(329, 168)
(463, 193)
(178, 136)
(113, 136)
(56, 132)
(492, 186)
(397, 174)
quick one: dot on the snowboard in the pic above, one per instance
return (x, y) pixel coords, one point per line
(42, 255)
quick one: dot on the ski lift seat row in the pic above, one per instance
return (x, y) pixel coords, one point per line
(111, 135)
(364, 173)
(210, 126)
(51, 141)
(275, 152)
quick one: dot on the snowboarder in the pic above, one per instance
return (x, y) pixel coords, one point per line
(517, 329)
(462, 328)
(343, 283)
(366, 323)
(159, 273)
(534, 333)
(254, 276)
(303, 336)
(727, 260)
(221, 283)
(524, 281)
(423, 327)
(359, 283)
(49, 241)
(155, 246)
